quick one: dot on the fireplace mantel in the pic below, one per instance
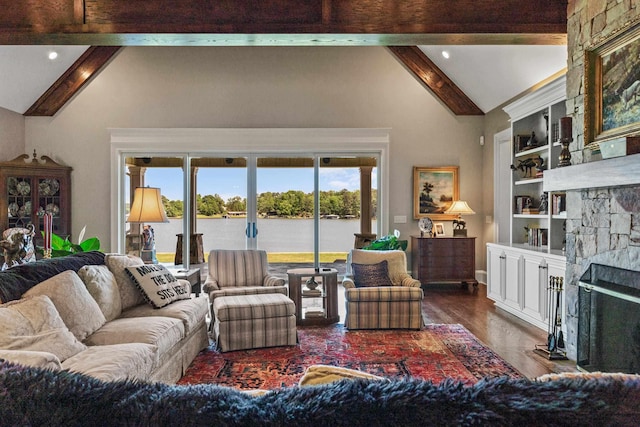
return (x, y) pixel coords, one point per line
(616, 172)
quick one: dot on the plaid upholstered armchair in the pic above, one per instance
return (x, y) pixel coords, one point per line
(379, 293)
(241, 272)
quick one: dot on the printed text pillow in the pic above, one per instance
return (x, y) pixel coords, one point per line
(159, 287)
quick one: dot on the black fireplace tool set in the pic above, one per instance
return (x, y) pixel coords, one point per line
(554, 349)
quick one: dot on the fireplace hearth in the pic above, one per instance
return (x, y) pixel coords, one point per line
(609, 320)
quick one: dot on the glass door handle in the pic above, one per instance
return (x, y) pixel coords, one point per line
(252, 230)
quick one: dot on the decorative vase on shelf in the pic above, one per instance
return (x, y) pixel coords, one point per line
(311, 283)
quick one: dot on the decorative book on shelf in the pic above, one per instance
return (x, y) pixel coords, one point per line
(314, 312)
(538, 236)
(558, 203)
(311, 292)
(521, 203)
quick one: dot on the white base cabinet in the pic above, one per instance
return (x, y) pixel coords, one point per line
(518, 281)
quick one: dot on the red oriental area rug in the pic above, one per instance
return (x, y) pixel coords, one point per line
(434, 353)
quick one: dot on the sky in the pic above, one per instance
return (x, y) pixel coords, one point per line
(229, 182)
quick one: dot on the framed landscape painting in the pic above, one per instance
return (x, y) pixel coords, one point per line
(612, 87)
(434, 190)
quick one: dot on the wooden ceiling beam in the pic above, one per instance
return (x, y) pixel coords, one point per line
(430, 75)
(282, 22)
(111, 23)
(89, 63)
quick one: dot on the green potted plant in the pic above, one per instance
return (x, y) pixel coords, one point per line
(62, 247)
(388, 243)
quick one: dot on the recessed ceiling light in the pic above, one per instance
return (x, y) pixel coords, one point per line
(53, 55)
(445, 53)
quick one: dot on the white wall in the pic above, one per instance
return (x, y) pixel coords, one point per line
(11, 135)
(236, 87)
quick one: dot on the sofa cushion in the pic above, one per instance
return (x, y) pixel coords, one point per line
(158, 286)
(252, 307)
(129, 293)
(37, 359)
(365, 275)
(15, 281)
(162, 332)
(191, 312)
(77, 308)
(102, 286)
(114, 362)
(383, 294)
(34, 324)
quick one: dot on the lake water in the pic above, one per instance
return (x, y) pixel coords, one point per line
(274, 234)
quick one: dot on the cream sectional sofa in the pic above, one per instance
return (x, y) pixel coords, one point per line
(93, 318)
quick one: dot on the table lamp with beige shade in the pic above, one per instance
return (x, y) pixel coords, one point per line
(459, 207)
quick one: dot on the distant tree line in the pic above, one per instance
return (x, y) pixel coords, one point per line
(292, 203)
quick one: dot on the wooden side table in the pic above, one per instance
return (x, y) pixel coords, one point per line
(192, 276)
(314, 305)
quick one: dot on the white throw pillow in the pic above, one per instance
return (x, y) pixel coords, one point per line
(102, 286)
(77, 308)
(158, 285)
(34, 324)
(129, 293)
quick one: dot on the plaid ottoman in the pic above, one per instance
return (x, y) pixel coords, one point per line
(254, 321)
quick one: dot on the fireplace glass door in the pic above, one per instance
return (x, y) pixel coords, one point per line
(609, 320)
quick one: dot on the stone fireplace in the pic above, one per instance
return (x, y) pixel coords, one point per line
(603, 225)
(603, 196)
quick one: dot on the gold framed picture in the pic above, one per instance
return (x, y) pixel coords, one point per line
(612, 87)
(434, 190)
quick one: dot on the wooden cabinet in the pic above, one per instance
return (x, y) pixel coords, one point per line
(444, 259)
(518, 281)
(29, 188)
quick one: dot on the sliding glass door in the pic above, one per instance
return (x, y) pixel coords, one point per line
(221, 201)
(285, 208)
(306, 192)
(305, 210)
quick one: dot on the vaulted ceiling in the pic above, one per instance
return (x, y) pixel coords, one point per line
(105, 25)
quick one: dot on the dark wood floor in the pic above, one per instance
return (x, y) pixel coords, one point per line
(510, 337)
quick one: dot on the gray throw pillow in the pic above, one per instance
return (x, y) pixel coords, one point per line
(367, 275)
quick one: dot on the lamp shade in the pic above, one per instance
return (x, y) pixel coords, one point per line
(147, 206)
(460, 207)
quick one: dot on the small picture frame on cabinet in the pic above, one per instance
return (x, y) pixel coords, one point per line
(438, 229)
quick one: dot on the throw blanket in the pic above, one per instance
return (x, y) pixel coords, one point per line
(18, 279)
(33, 397)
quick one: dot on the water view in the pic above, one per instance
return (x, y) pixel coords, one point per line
(274, 234)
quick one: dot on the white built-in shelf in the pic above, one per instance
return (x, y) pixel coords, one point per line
(528, 181)
(530, 216)
(535, 150)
